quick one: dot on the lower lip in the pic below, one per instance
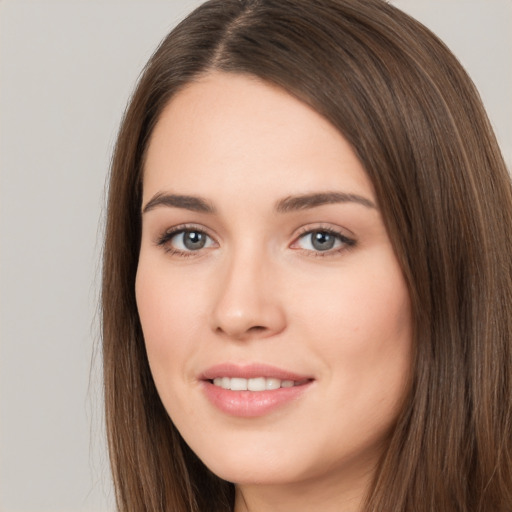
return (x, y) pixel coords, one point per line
(251, 404)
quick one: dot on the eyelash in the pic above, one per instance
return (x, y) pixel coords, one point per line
(164, 239)
(347, 243)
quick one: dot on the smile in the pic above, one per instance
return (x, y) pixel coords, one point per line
(248, 391)
(254, 384)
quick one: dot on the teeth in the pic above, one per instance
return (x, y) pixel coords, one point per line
(272, 384)
(255, 384)
(258, 384)
(238, 384)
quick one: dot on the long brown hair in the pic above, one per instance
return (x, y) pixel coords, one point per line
(416, 122)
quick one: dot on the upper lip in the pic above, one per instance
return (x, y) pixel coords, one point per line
(251, 371)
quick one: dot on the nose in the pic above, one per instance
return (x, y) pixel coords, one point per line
(248, 301)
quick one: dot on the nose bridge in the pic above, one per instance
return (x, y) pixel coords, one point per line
(247, 302)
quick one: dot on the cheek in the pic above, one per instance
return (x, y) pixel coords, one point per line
(361, 326)
(152, 303)
(167, 302)
(363, 307)
(169, 322)
(165, 316)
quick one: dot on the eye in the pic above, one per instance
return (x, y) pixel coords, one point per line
(179, 240)
(323, 241)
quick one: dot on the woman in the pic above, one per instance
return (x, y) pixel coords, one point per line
(307, 286)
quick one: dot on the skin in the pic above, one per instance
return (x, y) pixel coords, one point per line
(260, 291)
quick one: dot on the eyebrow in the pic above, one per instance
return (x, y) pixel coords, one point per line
(192, 203)
(286, 205)
(306, 201)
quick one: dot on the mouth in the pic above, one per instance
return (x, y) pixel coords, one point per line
(252, 390)
(255, 384)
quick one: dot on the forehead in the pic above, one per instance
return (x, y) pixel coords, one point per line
(238, 131)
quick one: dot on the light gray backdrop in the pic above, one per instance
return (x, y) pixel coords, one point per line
(66, 70)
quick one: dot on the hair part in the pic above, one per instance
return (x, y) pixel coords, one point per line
(415, 120)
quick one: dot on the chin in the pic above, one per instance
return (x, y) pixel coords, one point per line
(252, 462)
(255, 472)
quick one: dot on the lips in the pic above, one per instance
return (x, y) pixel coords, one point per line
(252, 390)
(251, 371)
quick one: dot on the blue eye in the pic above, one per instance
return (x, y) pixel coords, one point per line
(322, 240)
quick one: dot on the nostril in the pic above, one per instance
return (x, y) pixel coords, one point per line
(257, 328)
(253, 331)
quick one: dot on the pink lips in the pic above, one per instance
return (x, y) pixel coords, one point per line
(248, 404)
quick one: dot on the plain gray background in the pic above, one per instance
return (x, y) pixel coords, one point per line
(66, 70)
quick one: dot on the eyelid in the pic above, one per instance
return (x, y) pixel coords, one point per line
(324, 226)
(168, 234)
(348, 240)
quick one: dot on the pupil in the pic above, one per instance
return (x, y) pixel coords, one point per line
(194, 240)
(322, 241)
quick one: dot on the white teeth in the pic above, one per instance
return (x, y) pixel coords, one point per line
(257, 384)
(254, 384)
(272, 384)
(238, 384)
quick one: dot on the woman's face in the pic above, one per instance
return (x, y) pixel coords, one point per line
(265, 264)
